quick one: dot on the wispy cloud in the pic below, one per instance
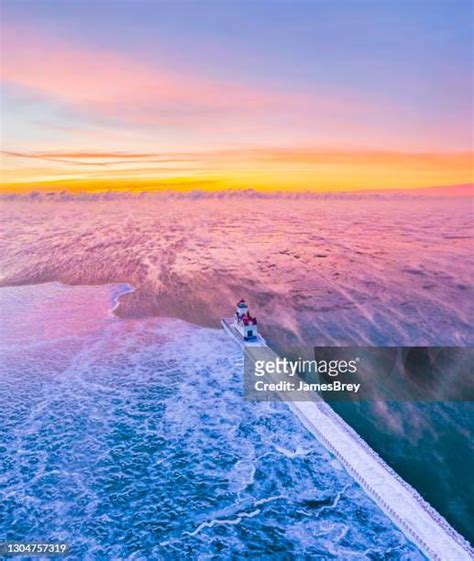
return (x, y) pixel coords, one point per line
(103, 159)
(118, 85)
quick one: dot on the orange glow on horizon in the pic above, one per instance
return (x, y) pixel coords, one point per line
(261, 169)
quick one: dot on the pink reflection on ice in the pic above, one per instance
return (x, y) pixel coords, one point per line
(380, 270)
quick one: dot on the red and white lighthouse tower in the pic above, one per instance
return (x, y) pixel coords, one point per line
(244, 322)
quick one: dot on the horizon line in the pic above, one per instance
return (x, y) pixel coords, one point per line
(458, 190)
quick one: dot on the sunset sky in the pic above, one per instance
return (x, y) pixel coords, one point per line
(301, 95)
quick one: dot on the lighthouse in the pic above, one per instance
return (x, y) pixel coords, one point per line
(242, 326)
(244, 322)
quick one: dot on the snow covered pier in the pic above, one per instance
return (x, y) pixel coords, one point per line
(401, 503)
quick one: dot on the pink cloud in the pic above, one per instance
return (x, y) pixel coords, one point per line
(118, 84)
(118, 88)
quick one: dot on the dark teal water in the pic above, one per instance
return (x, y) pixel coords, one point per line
(430, 445)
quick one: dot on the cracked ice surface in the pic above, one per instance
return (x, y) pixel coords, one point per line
(130, 439)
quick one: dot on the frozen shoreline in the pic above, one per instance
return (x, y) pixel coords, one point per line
(418, 520)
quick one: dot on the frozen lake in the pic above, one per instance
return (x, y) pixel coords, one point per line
(357, 270)
(130, 439)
